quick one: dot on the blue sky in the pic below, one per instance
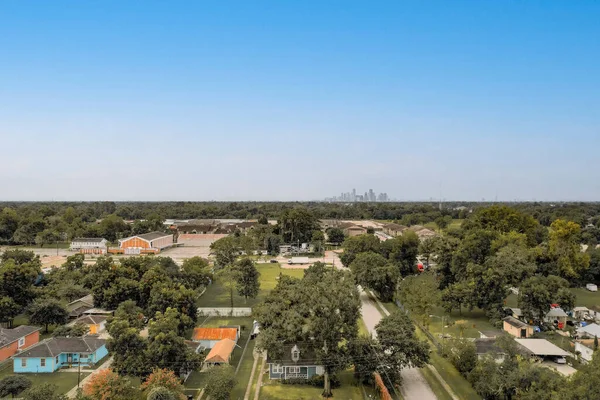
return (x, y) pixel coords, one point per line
(284, 100)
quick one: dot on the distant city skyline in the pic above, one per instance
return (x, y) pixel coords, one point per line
(353, 196)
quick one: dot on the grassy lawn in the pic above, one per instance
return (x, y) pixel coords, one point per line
(217, 295)
(243, 375)
(435, 384)
(273, 389)
(474, 322)
(585, 298)
(64, 380)
(362, 328)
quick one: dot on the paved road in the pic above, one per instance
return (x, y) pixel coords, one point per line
(414, 386)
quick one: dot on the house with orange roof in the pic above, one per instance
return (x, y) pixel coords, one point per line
(209, 337)
(220, 353)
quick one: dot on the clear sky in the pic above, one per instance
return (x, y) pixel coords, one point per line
(284, 100)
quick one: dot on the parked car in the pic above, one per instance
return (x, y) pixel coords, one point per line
(560, 360)
(273, 261)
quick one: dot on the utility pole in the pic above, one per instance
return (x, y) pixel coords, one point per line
(79, 371)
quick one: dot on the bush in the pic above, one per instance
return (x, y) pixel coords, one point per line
(316, 380)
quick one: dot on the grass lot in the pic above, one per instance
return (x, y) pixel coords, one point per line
(217, 295)
(475, 321)
(362, 328)
(64, 380)
(273, 389)
(435, 384)
(585, 298)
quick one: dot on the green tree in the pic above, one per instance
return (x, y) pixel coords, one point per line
(320, 311)
(164, 297)
(359, 244)
(76, 330)
(564, 247)
(584, 384)
(161, 393)
(13, 385)
(318, 240)
(364, 354)
(400, 347)
(8, 309)
(335, 235)
(297, 225)
(220, 382)
(463, 355)
(403, 251)
(128, 349)
(373, 271)
(131, 313)
(420, 295)
(9, 223)
(46, 312)
(536, 295)
(195, 272)
(247, 277)
(225, 251)
(17, 279)
(44, 391)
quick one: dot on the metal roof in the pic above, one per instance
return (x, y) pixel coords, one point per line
(541, 347)
(214, 333)
(221, 352)
(590, 330)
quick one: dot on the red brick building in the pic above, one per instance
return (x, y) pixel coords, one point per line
(19, 338)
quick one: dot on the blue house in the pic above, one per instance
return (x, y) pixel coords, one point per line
(53, 354)
(293, 363)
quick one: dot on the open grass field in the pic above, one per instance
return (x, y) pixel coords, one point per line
(65, 381)
(585, 298)
(217, 295)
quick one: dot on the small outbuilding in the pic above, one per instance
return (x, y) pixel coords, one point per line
(517, 328)
(209, 337)
(220, 353)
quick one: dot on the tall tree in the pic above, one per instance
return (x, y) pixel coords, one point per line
(335, 235)
(400, 347)
(46, 312)
(297, 225)
(106, 384)
(13, 385)
(564, 247)
(44, 391)
(163, 378)
(195, 272)
(220, 382)
(359, 244)
(373, 271)
(247, 277)
(411, 291)
(225, 251)
(537, 294)
(320, 311)
(403, 251)
(128, 349)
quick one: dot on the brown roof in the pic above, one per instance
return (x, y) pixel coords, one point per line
(515, 322)
(395, 227)
(221, 352)
(214, 334)
(91, 319)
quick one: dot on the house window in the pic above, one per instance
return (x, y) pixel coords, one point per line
(23, 362)
(22, 342)
(42, 362)
(277, 369)
(57, 359)
(293, 370)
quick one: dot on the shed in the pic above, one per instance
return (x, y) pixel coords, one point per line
(209, 337)
(221, 352)
(517, 328)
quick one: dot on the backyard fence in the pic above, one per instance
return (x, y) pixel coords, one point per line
(225, 311)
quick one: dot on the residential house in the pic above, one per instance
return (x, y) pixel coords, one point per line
(77, 307)
(540, 348)
(394, 229)
(484, 346)
(514, 312)
(220, 353)
(589, 331)
(89, 245)
(558, 316)
(147, 243)
(53, 354)
(209, 337)
(17, 339)
(517, 328)
(294, 363)
(95, 323)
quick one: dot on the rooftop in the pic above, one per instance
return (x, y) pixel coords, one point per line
(516, 323)
(556, 312)
(153, 235)
(55, 346)
(94, 240)
(541, 347)
(221, 352)
(214, 334)
(8, 336)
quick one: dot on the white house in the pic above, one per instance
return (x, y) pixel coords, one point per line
(589, 331)
(89, 245)
(586, 352)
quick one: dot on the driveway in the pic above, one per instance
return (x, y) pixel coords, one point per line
(414, 386)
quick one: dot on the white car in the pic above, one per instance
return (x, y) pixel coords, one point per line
(560, 360)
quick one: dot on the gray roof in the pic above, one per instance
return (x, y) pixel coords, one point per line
(95, 240)
(516, 311)
(487, 345)
(55, 346)
(541, 347)
(556, 312)
(515, 322)
(153, 235)
(8, 336)
(590, 330)
(307, 356)
(91, 319)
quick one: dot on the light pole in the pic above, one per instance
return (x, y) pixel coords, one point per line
(442, 318)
